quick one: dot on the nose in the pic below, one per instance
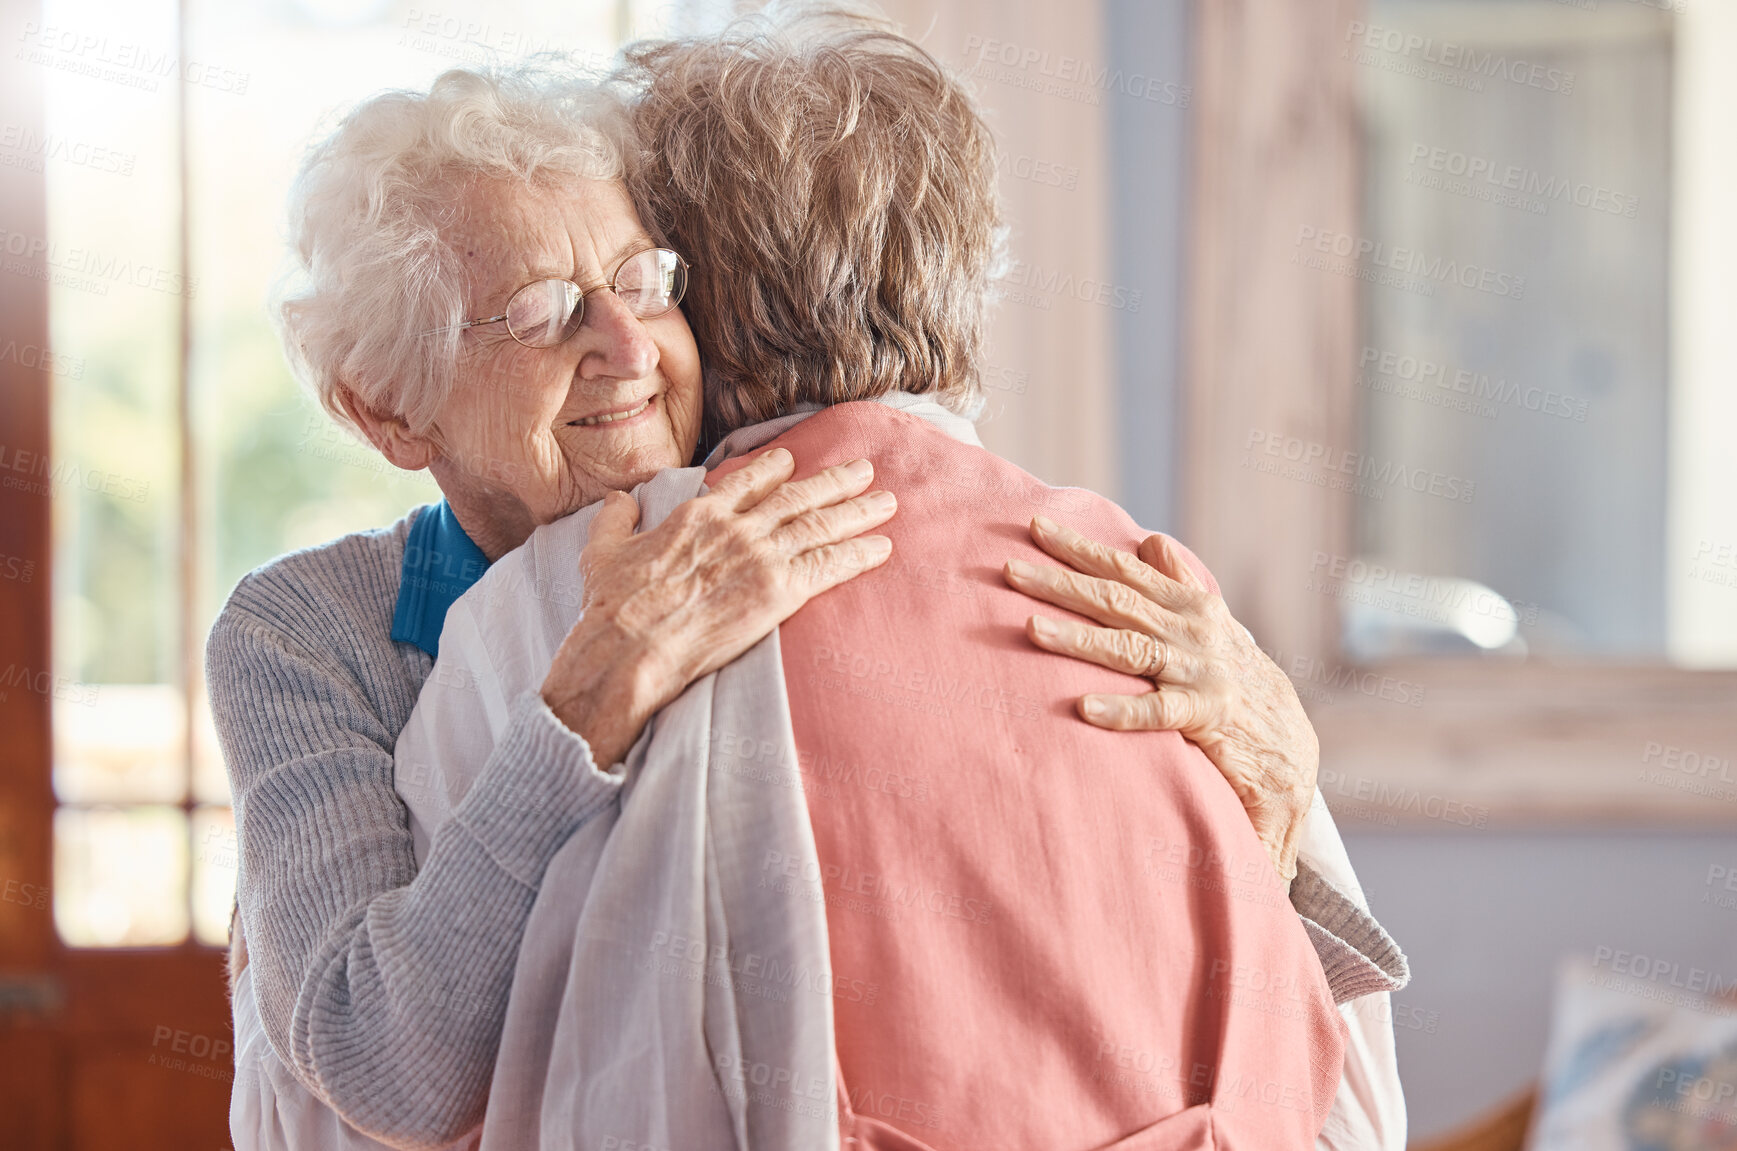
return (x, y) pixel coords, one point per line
(614, 342)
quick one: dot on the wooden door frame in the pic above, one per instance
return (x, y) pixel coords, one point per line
(101, 1048)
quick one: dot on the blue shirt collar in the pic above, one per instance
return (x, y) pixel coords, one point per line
(440, 564)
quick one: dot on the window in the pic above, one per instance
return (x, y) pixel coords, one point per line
(1518, 314)
(184, 454)
(1354, 462)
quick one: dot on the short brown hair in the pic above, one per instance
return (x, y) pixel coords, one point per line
(834, 187)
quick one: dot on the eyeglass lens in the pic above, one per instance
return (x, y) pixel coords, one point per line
(547, 312)
(544, 313)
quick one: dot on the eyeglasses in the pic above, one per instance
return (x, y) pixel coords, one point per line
(547, 312)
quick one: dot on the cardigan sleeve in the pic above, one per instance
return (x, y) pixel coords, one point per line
(1356, 952)
(383, 988)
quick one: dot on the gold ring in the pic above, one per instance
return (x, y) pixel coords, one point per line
(1155, 665)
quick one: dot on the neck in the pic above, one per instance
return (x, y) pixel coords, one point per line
(495, 521)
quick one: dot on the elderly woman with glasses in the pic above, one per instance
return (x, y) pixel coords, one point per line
(481, 299)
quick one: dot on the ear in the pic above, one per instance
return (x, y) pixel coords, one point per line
(389, 434)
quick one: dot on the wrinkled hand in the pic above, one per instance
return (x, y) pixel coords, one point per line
(663, 608)
(1214, 684)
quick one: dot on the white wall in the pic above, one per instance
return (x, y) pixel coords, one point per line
(1485, 917)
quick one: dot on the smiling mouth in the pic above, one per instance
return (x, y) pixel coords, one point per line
(613, 417)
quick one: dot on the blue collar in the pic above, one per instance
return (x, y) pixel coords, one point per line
(440, 564)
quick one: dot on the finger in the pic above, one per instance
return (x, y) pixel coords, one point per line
(750, 484)
(1165, 554)
(614, 521)
(1110, 603)
(1105, 562)
(1167, 710)
(814, 572)
(829, 525)
(1129, 652)
(834, 485)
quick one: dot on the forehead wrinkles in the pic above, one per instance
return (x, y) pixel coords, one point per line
(509, 234)
(601, 219)
(504, 233)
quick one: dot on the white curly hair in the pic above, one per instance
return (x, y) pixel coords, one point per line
(374, 272)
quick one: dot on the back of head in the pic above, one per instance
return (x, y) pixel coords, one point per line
(834, 188)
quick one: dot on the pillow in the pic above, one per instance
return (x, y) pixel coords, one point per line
(1642, 1057)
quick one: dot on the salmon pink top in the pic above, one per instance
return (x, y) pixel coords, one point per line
(1065, 938)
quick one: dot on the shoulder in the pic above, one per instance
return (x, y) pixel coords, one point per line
(968, 477)
(354, 574)
(329, 605)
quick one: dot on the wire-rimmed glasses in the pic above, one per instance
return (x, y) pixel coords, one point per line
(544, 313)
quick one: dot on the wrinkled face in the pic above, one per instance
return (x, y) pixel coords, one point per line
(529, 435)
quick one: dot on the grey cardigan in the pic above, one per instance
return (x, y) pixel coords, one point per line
(384, 988)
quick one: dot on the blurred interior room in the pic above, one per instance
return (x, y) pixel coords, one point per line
(1414, 319)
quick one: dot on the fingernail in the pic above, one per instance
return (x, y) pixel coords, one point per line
(1046, 525)
(860, 469)
(1043, 627)
(1021, 569)
(883, 501)
(1093, 708)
